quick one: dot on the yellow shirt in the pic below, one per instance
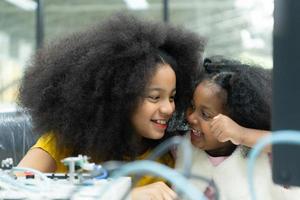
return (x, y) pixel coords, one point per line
(48, 143)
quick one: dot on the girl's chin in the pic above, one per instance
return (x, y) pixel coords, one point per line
(156, 136)
(197, 144)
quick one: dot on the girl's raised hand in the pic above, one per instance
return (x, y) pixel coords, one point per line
(225, 129)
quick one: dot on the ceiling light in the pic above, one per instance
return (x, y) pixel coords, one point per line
(137, 4)
(28, 5)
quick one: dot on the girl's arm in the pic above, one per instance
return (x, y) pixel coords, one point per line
(225, 129)
(250, 137)
(157, 191)
(38, 159)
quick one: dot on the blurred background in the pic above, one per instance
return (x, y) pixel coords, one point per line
(240, 29)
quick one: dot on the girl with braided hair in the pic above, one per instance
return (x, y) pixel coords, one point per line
(230, 111)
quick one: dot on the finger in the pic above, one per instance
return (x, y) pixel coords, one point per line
(217, 116)
(217, 133)
(218, 126)
(172, 194)
(169, 191)
(221, 138)
(218, 122)
(214, 120)
(167, 196)
(214, 128)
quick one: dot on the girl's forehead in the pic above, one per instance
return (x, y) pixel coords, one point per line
(210, 93)
(211, 87)
(164, 78)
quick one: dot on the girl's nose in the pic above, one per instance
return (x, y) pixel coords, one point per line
(191, 118)
(167, 108)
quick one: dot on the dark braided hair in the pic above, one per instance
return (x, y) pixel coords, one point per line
(248, 88)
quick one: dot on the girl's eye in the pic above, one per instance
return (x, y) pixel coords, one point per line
(172, 98)
(153, 98)
(205, 115)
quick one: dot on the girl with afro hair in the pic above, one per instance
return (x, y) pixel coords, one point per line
(229, 113)
(109, 92)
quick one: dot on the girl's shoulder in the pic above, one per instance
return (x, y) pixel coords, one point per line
(48, 143)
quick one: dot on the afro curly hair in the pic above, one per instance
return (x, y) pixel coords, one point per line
(248, 88)
(85, 87)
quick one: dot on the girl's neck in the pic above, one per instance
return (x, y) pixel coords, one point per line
(143, 144)
(224, 151)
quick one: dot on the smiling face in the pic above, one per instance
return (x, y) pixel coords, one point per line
(156, 108)
(208, 101)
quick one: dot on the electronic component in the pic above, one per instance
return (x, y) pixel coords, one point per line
(84, 181)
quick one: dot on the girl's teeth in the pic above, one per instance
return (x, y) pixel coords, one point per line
(196, 132)
(161, 121)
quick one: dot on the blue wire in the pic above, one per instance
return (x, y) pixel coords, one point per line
(104, 175)
(277, 137)
(100, 172)
(177, 179)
